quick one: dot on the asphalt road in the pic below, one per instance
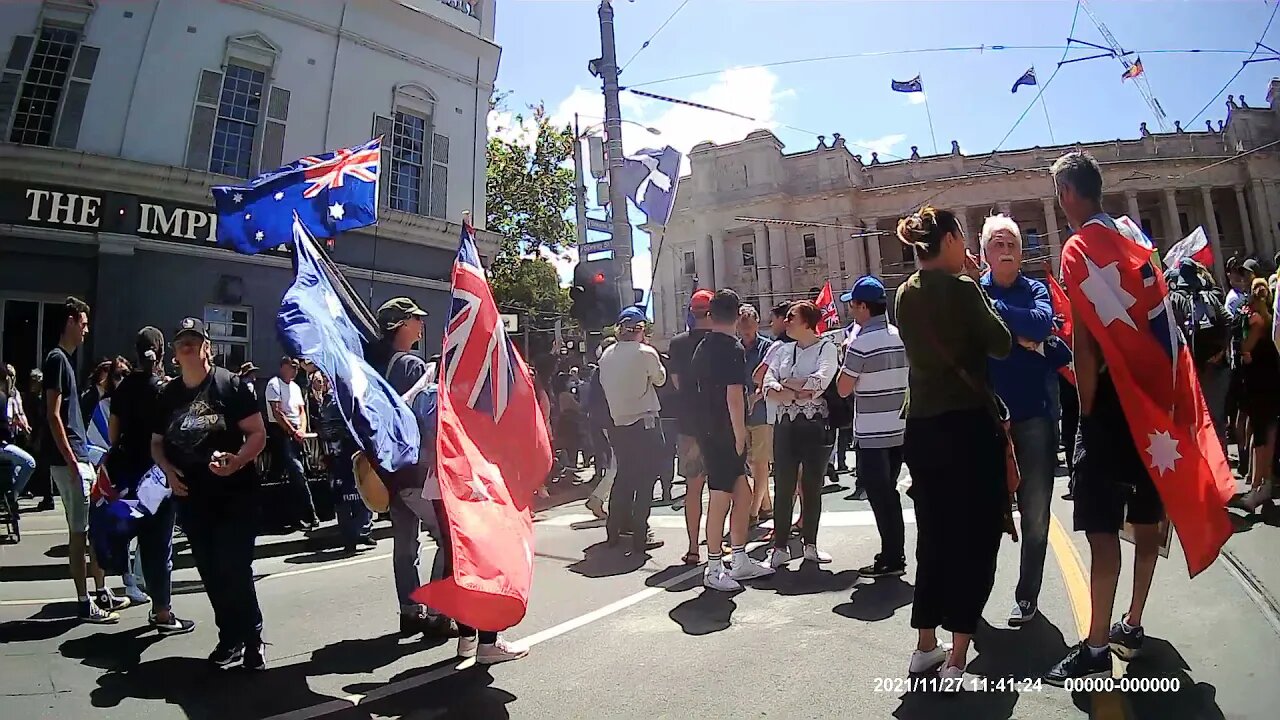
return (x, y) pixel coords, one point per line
(620, 637)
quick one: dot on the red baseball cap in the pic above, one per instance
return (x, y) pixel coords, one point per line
(701, 301)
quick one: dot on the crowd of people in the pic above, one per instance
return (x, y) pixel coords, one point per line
(973, 386)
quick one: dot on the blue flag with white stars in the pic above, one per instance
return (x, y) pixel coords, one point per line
(331, 193)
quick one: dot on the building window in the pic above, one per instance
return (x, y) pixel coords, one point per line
(230, 332)
(43, 87)
(690, 264)
(1182, 228)
(810, 246)
(238, 110)
(748, 254)
(1033, 237)
(408, 159)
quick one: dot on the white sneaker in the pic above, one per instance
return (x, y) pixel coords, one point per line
(779, 557)
(719, 579)
(501, 651)
(952, 678)
(813, 554)
(746, 568)
(467, 646)
(136, 595)
(926, 661)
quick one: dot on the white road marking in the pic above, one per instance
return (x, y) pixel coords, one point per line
(842, 518)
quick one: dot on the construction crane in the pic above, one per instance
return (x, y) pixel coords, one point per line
(1119, 53)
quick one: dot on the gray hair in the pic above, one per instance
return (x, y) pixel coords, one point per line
(748, 310)
(1080, 172)
(994, 224)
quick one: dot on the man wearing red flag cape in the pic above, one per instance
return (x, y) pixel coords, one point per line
(1147, 442)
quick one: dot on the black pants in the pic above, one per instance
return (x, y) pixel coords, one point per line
(958, 486)
(222, 533)
(638, 448)
(878, 470)
(1069, 401)
(799, 445)
(844, 443)
(442, 567)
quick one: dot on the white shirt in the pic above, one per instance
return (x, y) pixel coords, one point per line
(817, 364)
(289, 395)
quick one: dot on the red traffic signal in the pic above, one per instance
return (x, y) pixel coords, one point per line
(598, 279)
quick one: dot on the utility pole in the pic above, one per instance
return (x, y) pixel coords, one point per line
(621, 241)
(579, 186)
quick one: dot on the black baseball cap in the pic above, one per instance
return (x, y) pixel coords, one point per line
(191, 326)
(395, 311)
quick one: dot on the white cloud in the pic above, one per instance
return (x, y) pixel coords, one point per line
(642, 269)
(916, 98)
(512, 128)
(883, 144)
(564, 262)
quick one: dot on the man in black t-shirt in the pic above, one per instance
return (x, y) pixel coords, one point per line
(690, 459)
(718, 409)
(69, 465)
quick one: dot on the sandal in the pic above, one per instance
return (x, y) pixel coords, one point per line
(692, 558)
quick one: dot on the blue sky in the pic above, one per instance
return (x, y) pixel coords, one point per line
(547, 43)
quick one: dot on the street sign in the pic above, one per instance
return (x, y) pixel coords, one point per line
(595, 247)
(510, 322)
(598, 225)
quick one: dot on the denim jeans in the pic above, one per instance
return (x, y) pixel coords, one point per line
(221, 534)
(1034, 446)
(19, 464)
(410, 513)
(354, 519)
(289, 455)
(878, 470)
(1215, 382)
(637, 448)
(155, 553)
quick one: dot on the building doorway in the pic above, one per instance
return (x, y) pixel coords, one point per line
(30, 330)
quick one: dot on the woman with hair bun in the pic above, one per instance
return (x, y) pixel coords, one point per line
(954, 443)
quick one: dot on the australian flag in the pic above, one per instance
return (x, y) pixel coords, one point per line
(1028, 78)
(650, 178)
(331, 193)
(909, 86)
(313, 325)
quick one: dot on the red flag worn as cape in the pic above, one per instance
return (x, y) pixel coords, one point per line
(492, 452)
(826, 303)
(1061, 308)
(1120, 295)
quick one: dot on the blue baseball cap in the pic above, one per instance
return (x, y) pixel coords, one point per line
(631, 315)
(867, 288)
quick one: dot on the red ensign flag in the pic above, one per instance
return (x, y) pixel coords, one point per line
(1119, 294)
(1061, 309)
(826, 303)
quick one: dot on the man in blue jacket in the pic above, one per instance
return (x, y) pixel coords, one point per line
(1022, 381)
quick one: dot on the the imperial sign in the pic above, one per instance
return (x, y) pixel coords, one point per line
(94, 210)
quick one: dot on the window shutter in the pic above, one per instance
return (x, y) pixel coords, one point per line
(382, 127)
(72, 113)
(273, 133)
(439, 206)
(11, 79)
(203, 119)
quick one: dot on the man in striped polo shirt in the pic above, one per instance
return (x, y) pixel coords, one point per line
(874, 370)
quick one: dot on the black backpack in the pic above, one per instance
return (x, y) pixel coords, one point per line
(1205, 325)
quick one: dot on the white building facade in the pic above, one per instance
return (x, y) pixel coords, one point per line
(117, 116)
(777, 226)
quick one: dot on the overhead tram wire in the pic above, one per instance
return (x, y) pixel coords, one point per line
(1040, 90)
(645, 44)
(1239, 70)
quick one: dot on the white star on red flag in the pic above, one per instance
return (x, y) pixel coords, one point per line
(1163, 450)
(1109, 298)
(479, 491)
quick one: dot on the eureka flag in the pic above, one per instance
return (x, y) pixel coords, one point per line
(313, 324)
(492, 452)
(650, 178)
(331, 193)
(1119, 293)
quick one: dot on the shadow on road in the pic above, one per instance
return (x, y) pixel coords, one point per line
(707, 613)
(463, 694)
(602, 560)
(113, 652)
(1160, 659)
(1026, 652)
(809, 579)
(948, 706)
(49, 622)
(876, 600)
(674, 571)
(350, 657)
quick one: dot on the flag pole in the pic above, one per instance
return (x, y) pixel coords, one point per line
(1046, 113)
(928, 114)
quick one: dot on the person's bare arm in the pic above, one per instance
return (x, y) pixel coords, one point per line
(113, 429)
(255, 438)
(173, 474)
(52, 400)
(1088, 362)
(283, 421)
(1257, 324)
(735, 396)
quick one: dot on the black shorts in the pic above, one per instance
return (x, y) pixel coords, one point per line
(723, 463)
(1112, 484)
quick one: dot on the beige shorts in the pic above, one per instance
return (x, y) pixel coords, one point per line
(73, 487)
(690, 457)
(759, 445)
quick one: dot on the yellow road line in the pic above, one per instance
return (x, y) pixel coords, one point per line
(1106, 705)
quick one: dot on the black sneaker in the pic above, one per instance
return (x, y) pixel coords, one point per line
(883, 568)
(367, 541)
(1022, 613)
(858, 494)
(109, 602)
(227, 654)
(45, 504)
(175, 625)
(90, 612)
(1079, 663)
(1126, 644)
(255, 656)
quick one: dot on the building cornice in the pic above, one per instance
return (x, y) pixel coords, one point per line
(53, 166)
(490, 48)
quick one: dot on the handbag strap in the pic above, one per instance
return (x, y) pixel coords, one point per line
(993, 404)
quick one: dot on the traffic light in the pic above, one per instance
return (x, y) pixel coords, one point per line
(594, 294)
